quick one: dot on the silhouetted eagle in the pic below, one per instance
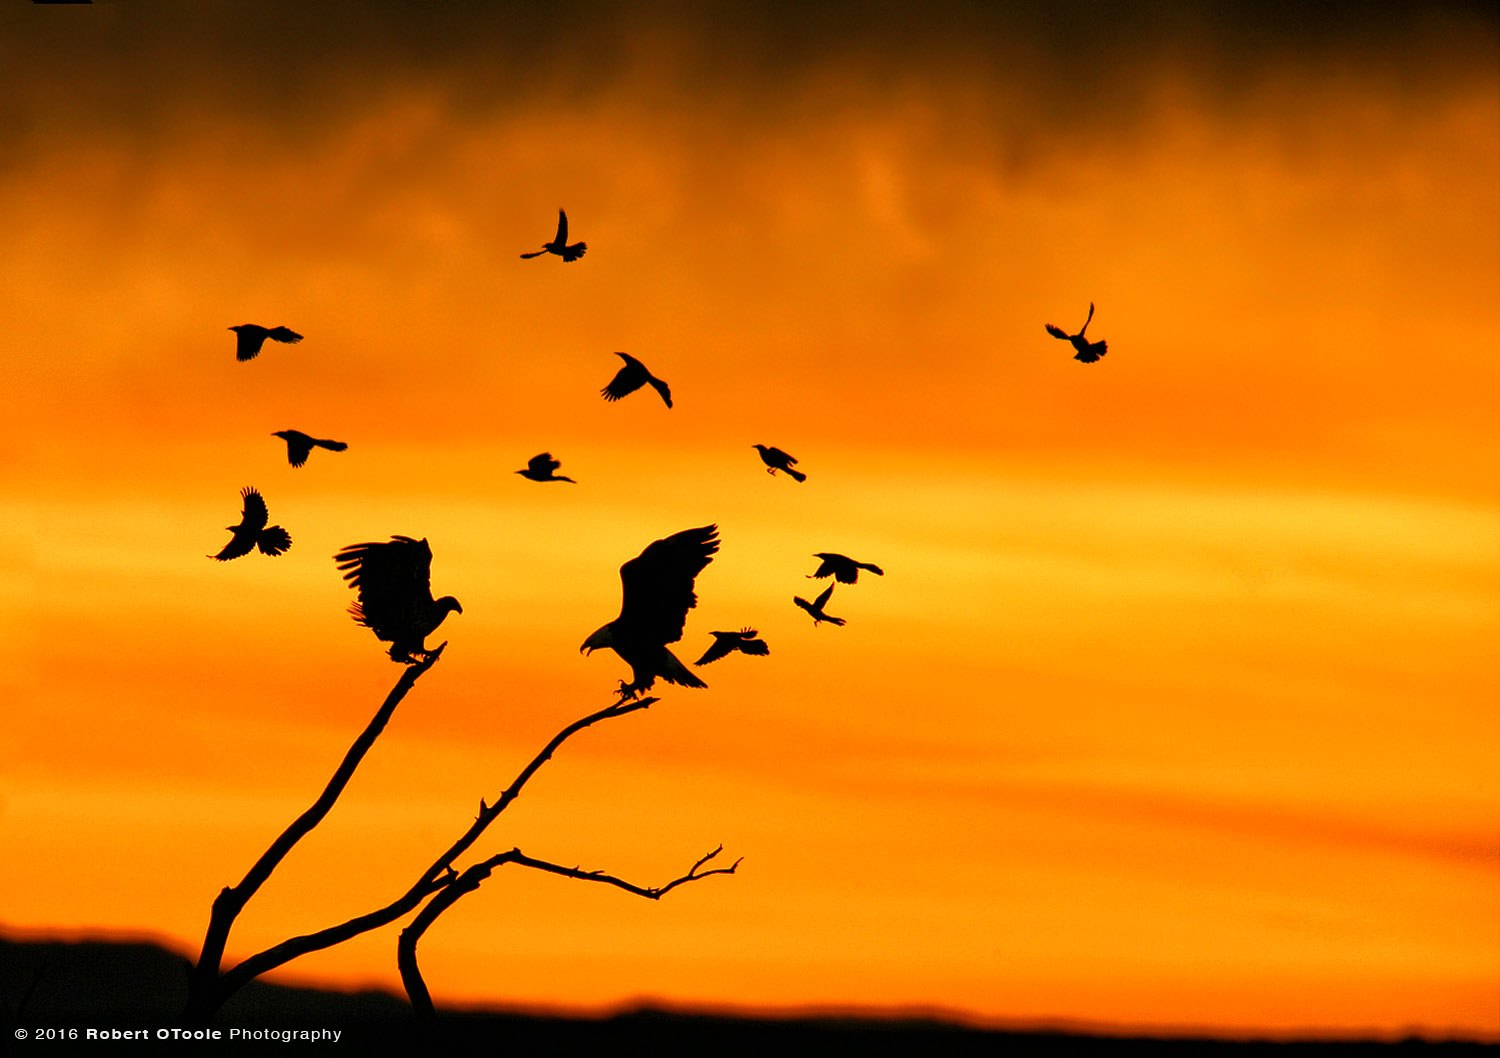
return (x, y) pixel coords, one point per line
(816, 608)
(251, 336)
(395, 594)
(559, 244)
(298, 445)
(844, 569)
(1087, 351)
(252, 532)
(775, 459)
(541, 467)
(728, 642)
(632, 377)
(658, 592)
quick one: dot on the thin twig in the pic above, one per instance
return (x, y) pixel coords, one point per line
(205, 991)
(469, 880)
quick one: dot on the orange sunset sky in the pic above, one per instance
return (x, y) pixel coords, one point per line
(1177, 704)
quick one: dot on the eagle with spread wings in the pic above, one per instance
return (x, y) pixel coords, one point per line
(395, 594)
(658, 592)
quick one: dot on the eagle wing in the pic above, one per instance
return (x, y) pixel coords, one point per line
(393, 580)
(658, 584)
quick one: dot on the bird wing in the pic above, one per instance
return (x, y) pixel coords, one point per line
(1057, 332)
(562, 228)
(247, 341)
(821, 599)
(254, 515)
(298, 445)
(543, 464)
(657, 585)
(724, 643)
(627, 380)
(393, 580)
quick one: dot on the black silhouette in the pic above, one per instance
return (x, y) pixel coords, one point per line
(844, 569)
(541, 467)
(559, 244)
(658, 592)
(816, 608)
(775, 459)
(252, 532)
(298, 445)
(1087, 351)
(728, 642)
(395, 595)
(632, 377)
(251, 336)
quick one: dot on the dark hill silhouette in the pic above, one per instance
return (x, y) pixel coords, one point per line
(141, 984)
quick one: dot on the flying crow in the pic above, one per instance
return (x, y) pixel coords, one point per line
(559, 244)
(632, 377)
(395, 594)
(728, 642)
(816, 607)
(775, 459)
(252, 532)
(1087, 351)
(250, 337)
(298, 445)
(658, 592)
(541, 467)
(844, 569)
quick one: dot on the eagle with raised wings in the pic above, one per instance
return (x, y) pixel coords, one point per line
(395, 594)
(658, 592)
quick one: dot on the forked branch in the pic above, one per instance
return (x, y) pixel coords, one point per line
(469, 880)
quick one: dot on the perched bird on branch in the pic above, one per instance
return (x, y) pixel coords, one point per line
(395, 594)
(250, 337)
(775, 459)
(559, 244)
(541, 467)
(299, 444)
(632, 377)
(252, 532)
(1087, 351)
(816, 608)
(657, 586)
(844, 569)
(728, 642)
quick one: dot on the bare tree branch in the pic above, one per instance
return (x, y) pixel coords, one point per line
(204, 992)
(210, 989)
(469, 880)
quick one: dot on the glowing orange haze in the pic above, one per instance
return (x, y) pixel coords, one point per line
(1176, 705)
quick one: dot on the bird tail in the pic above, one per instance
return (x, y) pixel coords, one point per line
(1093, 352)
(284, 334)
(661, 387)
(674, 671)
(795, 473)
(273, 540)
(574, 252)
(872, 567)
(332, 446)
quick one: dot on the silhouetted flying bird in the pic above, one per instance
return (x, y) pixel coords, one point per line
(728, 642)
(844, 569)
(541, 467)
(816, 607)
(632, 377)
(252, 532)
(559, 244)
(775, 459)
(251, 336)
(1087, 351)
(658, 592)
(395, 594)
(298, 445)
